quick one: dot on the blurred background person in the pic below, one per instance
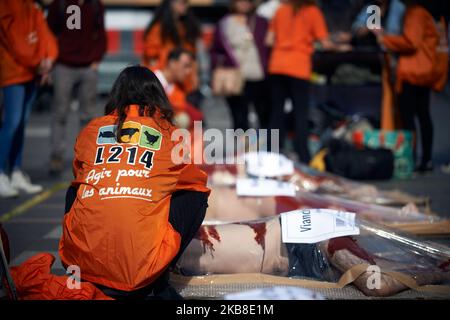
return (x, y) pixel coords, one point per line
(173, 25)
(27, 51)
(418, 71)
(392, 12)
(179, 66)
(297, 24)
(80, 53)
(239, 44)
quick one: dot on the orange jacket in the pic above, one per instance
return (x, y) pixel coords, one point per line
(156, 52)
(34, 281)
(117, 230)
(417, 46)
(25, 40)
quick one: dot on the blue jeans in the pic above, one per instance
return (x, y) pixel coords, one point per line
(17, 102)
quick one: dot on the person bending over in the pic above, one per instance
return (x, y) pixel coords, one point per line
(131, 209)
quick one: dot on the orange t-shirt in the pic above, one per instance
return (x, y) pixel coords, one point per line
(294, 39)
(118, 230)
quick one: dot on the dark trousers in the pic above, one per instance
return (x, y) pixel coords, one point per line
(255, 92)
(186, 214)
(414, 101)
(281, 88)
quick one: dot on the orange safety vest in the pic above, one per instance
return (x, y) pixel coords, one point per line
(118, 229)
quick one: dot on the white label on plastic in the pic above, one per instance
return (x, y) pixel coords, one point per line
(264, 188)
(315, 225)
(268, 164)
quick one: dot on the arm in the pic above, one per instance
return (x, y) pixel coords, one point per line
(22, 52)
(217, 50)
(411, 38)
(101, 36)
(152, 45)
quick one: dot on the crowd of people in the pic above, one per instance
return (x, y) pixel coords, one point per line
(261, 56)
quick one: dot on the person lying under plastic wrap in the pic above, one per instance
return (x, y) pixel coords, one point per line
(258, 247)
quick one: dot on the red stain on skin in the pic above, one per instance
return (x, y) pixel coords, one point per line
(350, 244)
(443, 266)
(212, 230)
(260, 232)
(202, 235)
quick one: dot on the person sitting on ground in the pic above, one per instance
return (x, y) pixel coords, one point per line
(132, 209)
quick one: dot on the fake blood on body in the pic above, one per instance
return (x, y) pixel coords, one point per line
(204, 234)
(350, 244)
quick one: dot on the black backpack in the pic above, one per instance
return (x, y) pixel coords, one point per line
(359, 164)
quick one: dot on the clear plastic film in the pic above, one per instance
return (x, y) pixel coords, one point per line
(311, 180)
(226, 205)
(378, 261)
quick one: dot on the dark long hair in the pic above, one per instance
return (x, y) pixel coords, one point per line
(169, 30)
(298, 4)
(137, 85)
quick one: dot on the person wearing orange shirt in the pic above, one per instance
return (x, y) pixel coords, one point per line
(179, 66)
(173, 25)
(418, 71)
(27, 50)
(132, 207)
(297, 24)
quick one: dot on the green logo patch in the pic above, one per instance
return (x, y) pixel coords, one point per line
(150, 138)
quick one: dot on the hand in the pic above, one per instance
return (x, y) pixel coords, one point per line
(45, 79)
(94, 66)
(344, 47)
(45, 66)
(379, 33)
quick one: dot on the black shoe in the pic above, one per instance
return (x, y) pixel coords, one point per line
(425, 168)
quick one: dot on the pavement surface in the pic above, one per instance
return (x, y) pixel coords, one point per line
(34, 222)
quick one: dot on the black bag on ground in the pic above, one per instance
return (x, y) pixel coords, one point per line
(359, 164)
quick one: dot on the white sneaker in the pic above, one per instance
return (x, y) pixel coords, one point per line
(21, 181)
(6, 189)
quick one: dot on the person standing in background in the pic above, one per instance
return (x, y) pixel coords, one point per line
(239, 42)
(418, 71)
(293, 30)
(172, 26)
(27, 50)
(81, 51)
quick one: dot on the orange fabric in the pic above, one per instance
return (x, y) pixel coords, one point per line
(417, 47)
(156, 52)
(117, 230)
(34, 281)
(294, 39)
(387, 101)
(25, 40)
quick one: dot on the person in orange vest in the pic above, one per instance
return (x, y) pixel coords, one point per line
(418, 71)
(173, 25)
(27, 51)
(180, 64)
(132, 207)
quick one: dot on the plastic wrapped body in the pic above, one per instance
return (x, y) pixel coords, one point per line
(308, 179)
(256, 247)
(225, 205)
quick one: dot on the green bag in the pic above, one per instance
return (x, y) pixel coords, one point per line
(400, 142)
